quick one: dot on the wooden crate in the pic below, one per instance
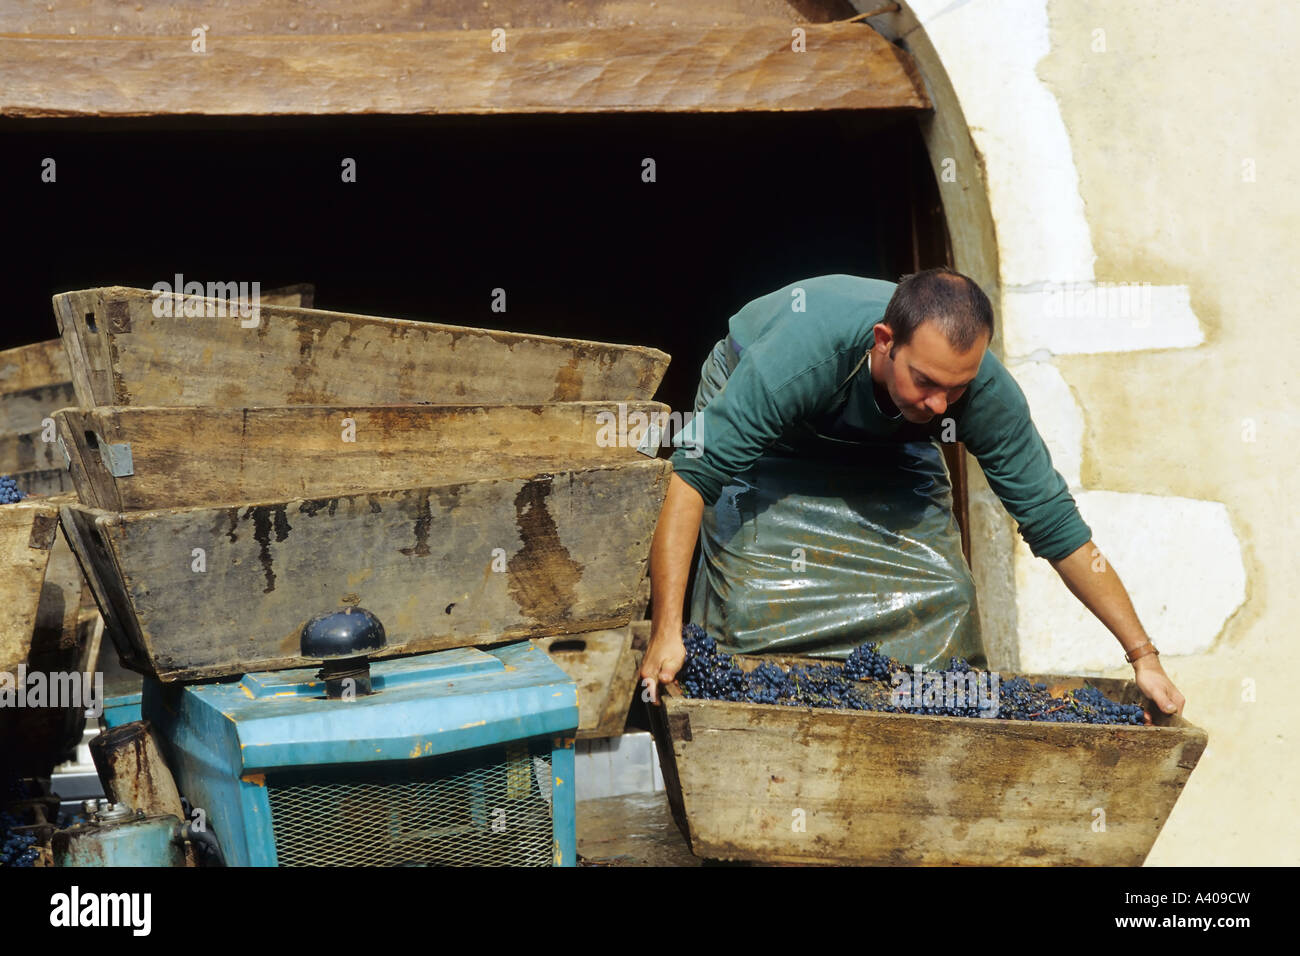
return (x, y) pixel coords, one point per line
(447, 565)
(22, 413)
(27, 452)
(57, 483)
(604, 664)
(180, 457)
(35, 381)
(47, 482)
(899, 790)
(121, 353)
(32, 367)
(28, 532)
(65, 639)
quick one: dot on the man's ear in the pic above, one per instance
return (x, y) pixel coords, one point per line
(884, 335)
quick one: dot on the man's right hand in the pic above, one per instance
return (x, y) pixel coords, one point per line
(663, 659)
(670, 566)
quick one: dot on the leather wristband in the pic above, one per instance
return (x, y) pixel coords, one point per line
(1142, 650)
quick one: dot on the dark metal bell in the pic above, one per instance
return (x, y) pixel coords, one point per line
(342, 639)
(350, 632)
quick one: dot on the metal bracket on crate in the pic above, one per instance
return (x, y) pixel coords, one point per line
(679, 727)
(44, 530)
(117, 458)
(649, 445)
(67, 459)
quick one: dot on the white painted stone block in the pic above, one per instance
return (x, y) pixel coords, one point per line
(1179, 560)
(1089, 317)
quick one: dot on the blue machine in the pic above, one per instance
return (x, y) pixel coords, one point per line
(119, 710)
(115, 835)
(456, 757)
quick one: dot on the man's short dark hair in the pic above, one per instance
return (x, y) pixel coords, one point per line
(953, 301)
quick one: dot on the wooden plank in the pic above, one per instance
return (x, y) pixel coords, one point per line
(45, 482)
(23, 412)
(57, 483)
(33, 366)
(177, 17)
(102, 576)
(64, 567)
(61, 594)
(622, 688)
(59, 645)
(121, 353)
(592, 660)
(35, 381)
(899, 789)
(27, 531)
(652, 67)
(27, 451)
(442, 566)
(604, 666)
(205, 455)
(642, 598)
(90, 637)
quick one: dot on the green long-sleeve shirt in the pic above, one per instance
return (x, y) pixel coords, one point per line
(790, 367)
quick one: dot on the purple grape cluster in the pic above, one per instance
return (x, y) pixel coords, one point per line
(864, 682)
(9, 492)
(16, 849)
(711, 674)
(1019, 699)
(708, 673)
(867, 663)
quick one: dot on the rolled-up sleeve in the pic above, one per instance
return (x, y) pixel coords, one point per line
(1018, 466)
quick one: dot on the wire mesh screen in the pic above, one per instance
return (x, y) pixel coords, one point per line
(488, 807)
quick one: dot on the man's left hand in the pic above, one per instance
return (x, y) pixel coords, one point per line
(1155, 683)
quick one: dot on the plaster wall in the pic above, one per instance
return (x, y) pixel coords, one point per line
(1115, 175)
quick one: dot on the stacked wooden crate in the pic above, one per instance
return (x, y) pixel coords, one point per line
(35, 381)
(237, 478)
(47, 618)
(604, 664)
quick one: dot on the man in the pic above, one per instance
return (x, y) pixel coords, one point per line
(841, 363)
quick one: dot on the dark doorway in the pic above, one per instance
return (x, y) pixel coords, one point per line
(552, 209)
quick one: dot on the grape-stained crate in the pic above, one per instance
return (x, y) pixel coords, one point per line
(137, 458)
(771, 783)
(137, 347)
(209, 591)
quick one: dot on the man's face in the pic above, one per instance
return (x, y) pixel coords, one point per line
(927, 374)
